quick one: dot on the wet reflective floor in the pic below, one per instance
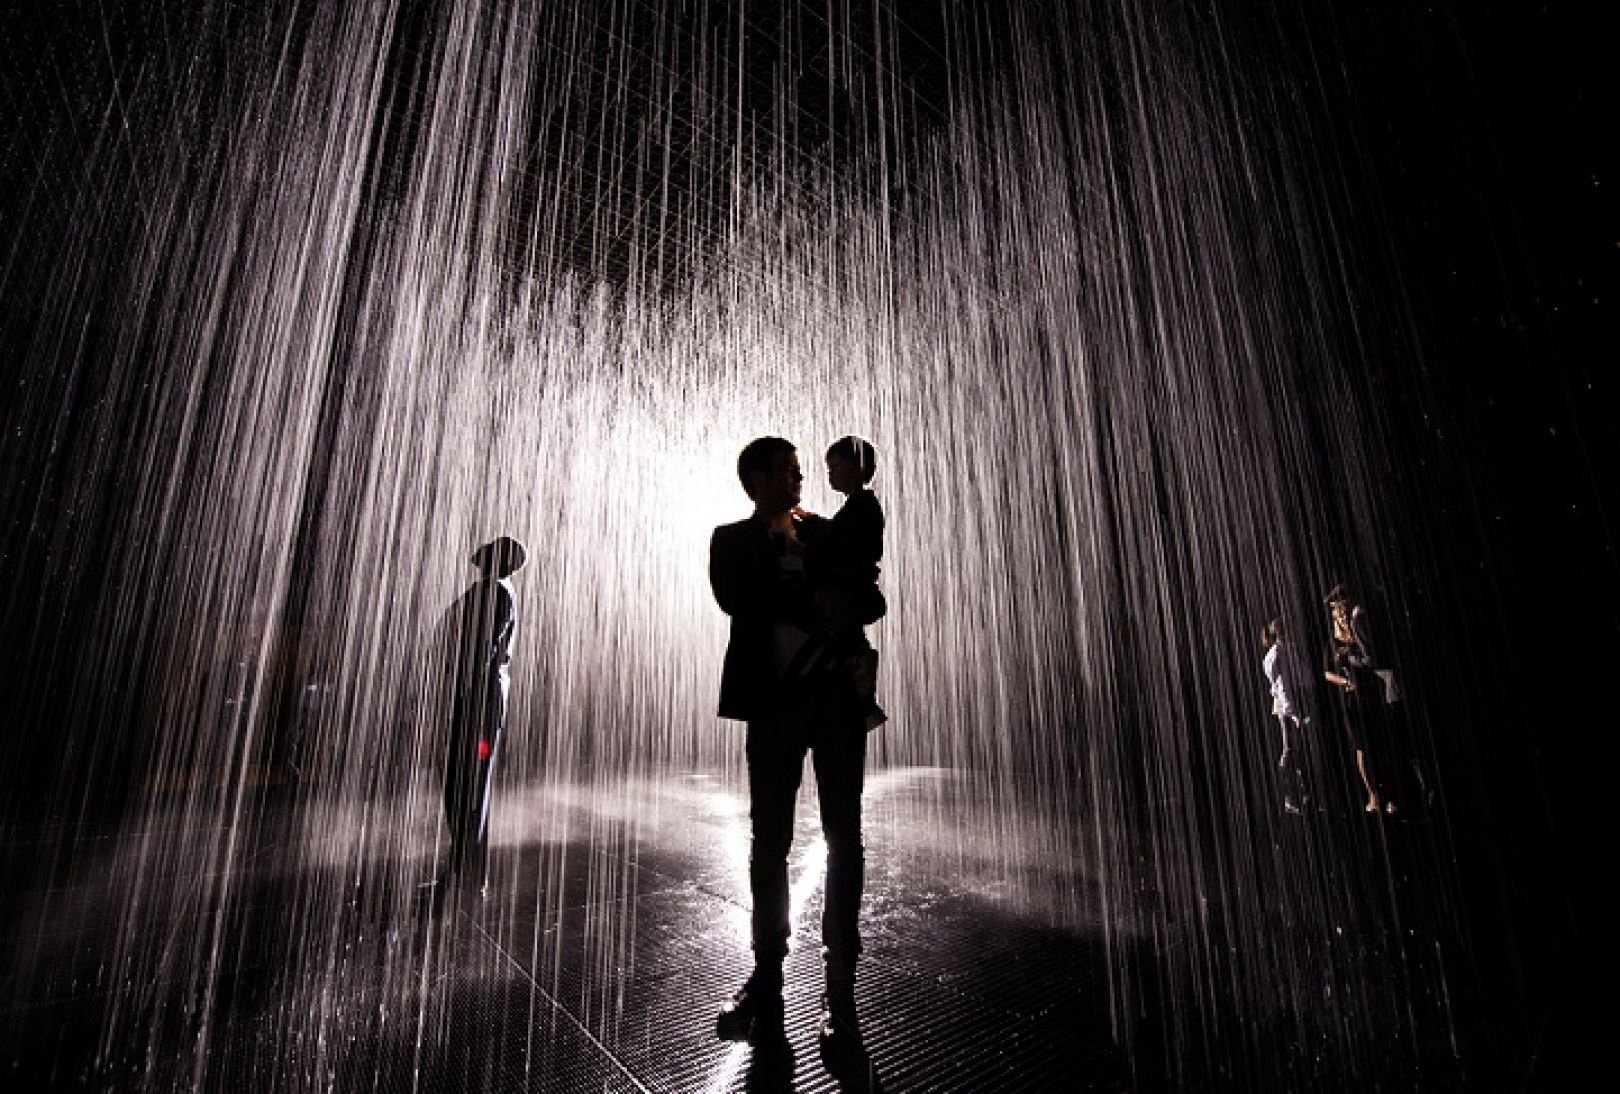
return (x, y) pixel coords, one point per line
(997, 956)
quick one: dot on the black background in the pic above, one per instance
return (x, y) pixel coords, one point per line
(1482, 136)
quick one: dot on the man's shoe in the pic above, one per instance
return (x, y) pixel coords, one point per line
(839, 1024)
(754, 1013)
(839, 1037)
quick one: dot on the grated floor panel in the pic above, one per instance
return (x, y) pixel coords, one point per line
(598, 961)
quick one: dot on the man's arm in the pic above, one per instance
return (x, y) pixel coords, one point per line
(744, 583)
(505, 621)
(735, 585)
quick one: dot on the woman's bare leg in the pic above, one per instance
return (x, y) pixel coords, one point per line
(1366, 780)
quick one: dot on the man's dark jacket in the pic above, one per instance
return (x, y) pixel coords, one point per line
(748, 586)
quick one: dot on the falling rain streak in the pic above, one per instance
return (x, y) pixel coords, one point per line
(337, 292)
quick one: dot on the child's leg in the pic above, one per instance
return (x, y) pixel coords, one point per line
(862, 667)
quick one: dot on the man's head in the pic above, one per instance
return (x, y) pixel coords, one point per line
(1272, 632)
(501, 557)
(768, 469)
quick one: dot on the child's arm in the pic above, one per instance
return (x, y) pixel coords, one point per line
(859, 528)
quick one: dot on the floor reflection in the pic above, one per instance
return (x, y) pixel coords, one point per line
(616, 924)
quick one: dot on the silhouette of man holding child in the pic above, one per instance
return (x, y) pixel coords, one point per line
(800, 673)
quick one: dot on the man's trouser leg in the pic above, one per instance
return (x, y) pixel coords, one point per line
(839, 754)
(470, 781)
(458, 792)
(478, 812)
(1289, 765)
(775, 767)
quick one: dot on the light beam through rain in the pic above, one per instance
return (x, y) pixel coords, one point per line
(317, 298)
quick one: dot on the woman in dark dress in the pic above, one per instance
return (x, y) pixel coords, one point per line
(1363, 703)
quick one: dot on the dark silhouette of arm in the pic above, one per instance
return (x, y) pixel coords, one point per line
(856, 547)
(858, 527)
(743, 577)
(505, 620)
(1358, 627)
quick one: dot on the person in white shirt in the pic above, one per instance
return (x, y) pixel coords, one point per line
(1291, 704)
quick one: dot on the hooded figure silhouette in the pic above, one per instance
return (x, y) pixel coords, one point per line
(483, 623)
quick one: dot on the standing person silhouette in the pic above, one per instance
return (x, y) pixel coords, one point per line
(1292, 706)
(797, 699)
(1365, 693)
(483, 623)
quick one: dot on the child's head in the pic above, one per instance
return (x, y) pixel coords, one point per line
(851, 463)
